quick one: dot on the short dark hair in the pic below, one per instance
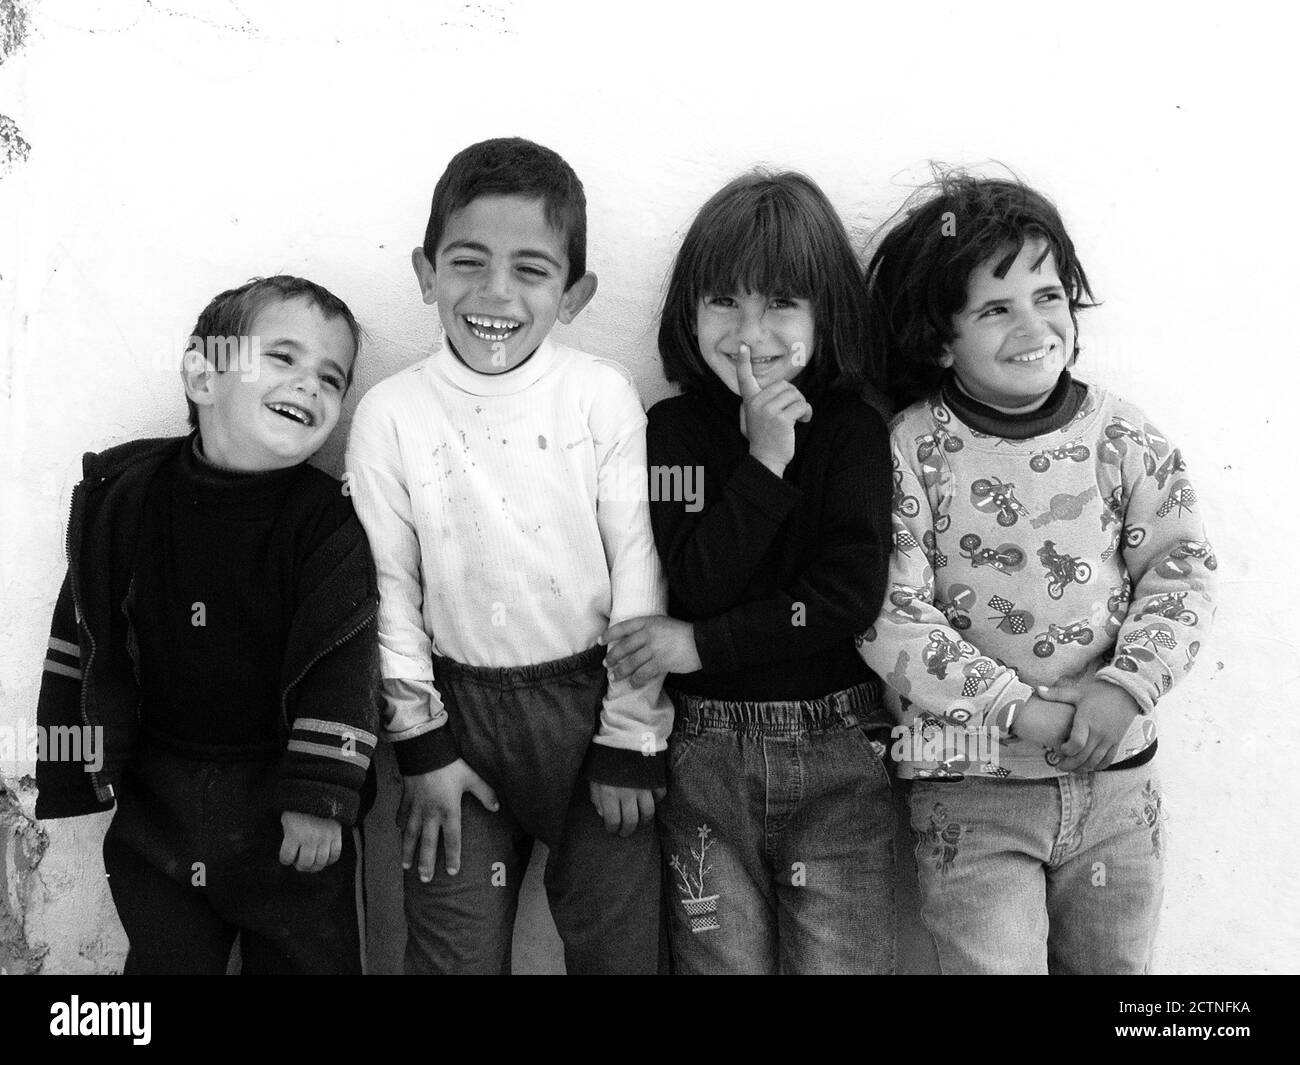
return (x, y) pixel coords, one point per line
(512, 166)
(919, 275)
(231, 314)
(776, 234)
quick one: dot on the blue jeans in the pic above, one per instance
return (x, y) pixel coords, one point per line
(1059, 875)
(778, 833)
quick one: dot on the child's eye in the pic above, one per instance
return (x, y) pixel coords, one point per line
(282, 356)
(1051, 297)
(333, 382)
(465, 264)
(720, 301)
(782, 303)
(534, 271)
(992, 311)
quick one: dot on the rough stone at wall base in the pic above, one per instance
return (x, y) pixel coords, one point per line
(22, 846)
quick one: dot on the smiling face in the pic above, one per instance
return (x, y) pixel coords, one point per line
(278, 409)
(1015, 334)
(499, 281)
(778, 330)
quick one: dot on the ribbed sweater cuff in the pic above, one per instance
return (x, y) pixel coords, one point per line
(425, 753)
(714, 646)
(624, 768)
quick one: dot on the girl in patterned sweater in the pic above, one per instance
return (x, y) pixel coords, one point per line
(1050, 583)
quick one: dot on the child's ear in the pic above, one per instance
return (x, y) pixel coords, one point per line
(424, 274)
(198, 376)
(945, 357)
(577, 296)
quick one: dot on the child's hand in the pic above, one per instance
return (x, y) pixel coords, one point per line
(431, 806)
(1043, 721)
(310, 843)
(768, 415)
(1104, 715)
(622, 809)
(648, 647)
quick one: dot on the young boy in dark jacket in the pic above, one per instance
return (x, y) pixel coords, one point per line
(214, 647)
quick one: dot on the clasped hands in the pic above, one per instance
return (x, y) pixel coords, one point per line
(1084, 721)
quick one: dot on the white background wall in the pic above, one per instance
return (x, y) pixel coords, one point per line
(179, 149)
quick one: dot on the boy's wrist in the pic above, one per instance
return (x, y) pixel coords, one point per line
(624, 768)
(435, 749)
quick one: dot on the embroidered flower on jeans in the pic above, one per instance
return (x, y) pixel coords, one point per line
(1150, 815)
(942, 837)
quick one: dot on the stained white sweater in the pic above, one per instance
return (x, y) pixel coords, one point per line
(497, 541)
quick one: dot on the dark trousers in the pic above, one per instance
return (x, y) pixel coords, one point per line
(193, 860)
(526, 731)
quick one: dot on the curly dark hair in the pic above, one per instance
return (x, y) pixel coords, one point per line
(918, 275)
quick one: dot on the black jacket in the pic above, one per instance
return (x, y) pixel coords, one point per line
(330, 675)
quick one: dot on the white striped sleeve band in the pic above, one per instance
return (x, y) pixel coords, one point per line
(64, 659)
(332, 739)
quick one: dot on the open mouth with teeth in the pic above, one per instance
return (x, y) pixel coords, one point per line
(766, 360)
(1048, 353)
(293, 413)
(493, 330)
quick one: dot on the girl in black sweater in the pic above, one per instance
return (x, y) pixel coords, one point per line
(778, 827)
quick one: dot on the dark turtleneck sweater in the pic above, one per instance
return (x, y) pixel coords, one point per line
(777, 573)
(211, 603)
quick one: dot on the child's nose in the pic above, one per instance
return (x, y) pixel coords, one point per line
(305, 381)
(750, 330)
(1031, 325)
(496, 284)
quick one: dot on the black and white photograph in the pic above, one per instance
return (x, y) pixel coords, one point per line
(658, 489)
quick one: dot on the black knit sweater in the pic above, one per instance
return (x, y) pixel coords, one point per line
(777, 573)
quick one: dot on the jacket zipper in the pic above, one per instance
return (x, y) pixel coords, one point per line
(284, 697)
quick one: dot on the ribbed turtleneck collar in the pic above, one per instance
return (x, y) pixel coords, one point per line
(205, 480)
(527, 373)
(1056, 411)
(719, 395)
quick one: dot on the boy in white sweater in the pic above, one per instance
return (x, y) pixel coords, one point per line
(479, 475)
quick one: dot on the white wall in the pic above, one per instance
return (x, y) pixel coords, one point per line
(180, 150)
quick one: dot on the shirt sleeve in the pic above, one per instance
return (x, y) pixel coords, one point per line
(912, 645)
(1170, 563)
(634, 722)
(333, 701)
(414, 723)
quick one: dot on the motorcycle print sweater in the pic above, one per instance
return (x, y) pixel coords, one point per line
(1033, 550)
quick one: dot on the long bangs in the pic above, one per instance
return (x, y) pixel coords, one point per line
(754, 241)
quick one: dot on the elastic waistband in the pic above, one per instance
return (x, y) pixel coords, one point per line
(520, 676)
(842, 709)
